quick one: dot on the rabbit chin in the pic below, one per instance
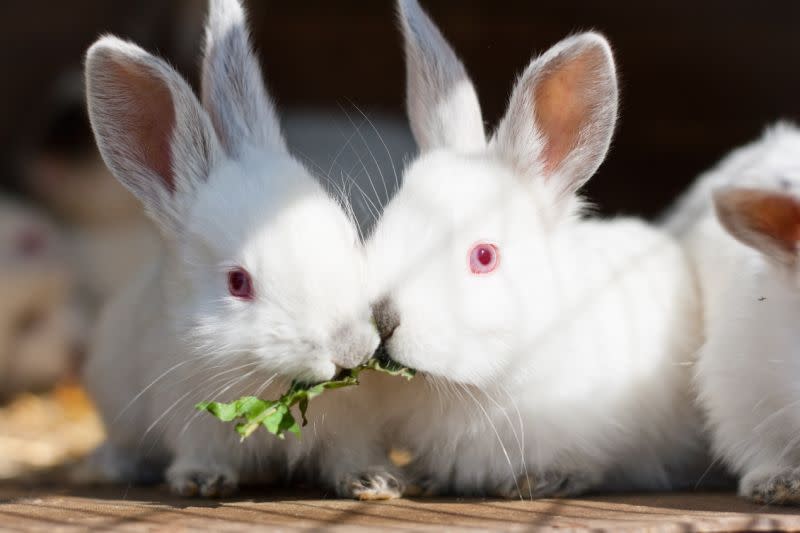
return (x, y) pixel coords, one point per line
(312, 371)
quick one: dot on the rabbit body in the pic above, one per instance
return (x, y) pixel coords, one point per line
(568, 371)
(730, 223)
(259, 280)
(39, 322)
(555, 351)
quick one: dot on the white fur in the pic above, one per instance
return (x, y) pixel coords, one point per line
(229, 196)
(566, 368)
(749, 369)
(38, 338)
(442, 104)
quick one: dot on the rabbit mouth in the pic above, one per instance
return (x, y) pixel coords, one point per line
(386, 362)
(384, 358)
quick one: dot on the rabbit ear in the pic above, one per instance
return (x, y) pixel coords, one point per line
(233, 90)
(442, 104)
(562, 112)
(149, 126)
(765, 220)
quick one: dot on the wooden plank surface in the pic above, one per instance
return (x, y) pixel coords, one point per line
(43, 432)
(125, 509)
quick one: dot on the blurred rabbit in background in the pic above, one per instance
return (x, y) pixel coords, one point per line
(60, 260)
(39, 341)
(109, 237)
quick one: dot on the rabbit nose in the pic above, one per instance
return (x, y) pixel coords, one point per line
(353, 344)
(386, 317)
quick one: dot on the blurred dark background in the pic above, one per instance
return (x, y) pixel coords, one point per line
(698, 78)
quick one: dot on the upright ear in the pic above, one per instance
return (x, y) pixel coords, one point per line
(562, 112)
(233, 90)
(768, 221)
(149, 126)
(442, 104)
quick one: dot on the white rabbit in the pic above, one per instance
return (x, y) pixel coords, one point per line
(747, 269)
(554, 351)
(749, 369)
(260, 277)
(38, 340)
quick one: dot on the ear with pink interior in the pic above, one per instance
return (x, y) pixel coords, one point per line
(149, 127)
(768, 221)
(442, 104)
(562, 113)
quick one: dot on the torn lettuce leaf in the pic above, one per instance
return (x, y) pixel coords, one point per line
(276, 415)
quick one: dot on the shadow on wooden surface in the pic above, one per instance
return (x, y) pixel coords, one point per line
(135, 509)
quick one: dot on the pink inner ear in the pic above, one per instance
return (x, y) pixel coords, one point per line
(149, 118)
(779, 217)
(767, 213)
(563, 103)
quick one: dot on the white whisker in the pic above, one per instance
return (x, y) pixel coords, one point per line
(380, 138)
(499, 439)
(369, 150)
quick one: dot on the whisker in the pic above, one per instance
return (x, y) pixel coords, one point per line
(346, 145)
(195, 390)
(373, 208)
(499, 439)
(380, 138)
(218, 392)
(360, 160)
(519, 437)
(369, 150)
(146, 389)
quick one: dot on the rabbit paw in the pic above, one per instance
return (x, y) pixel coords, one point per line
(205, 482)
(550, 484)
(782, 488)
(371, 485)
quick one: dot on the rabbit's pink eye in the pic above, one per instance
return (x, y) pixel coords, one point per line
(239, 284)
(483, 258)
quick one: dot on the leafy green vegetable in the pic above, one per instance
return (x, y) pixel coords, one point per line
(276, 415)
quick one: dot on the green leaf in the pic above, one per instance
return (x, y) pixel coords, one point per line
(388, 366)
(224, 411)
(273, 420)
(275, 415)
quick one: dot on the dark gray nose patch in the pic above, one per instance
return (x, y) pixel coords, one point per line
(386, 317)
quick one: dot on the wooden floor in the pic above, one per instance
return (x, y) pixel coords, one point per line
(136, 510)
(38, 433)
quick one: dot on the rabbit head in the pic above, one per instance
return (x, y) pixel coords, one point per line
(461, 262)
(261, 261)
